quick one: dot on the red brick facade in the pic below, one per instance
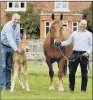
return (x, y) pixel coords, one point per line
(75, 13)
(3, 13)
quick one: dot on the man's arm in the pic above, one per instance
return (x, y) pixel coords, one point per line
(68, 41)
(10, 38)
(90, 44)
(18, 39)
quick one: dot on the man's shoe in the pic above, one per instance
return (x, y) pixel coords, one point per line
(8, 88)
(3, 89)
(83, 91)
(71, 91)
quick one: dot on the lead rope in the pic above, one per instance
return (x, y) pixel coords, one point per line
(66, 57)
(74, 59)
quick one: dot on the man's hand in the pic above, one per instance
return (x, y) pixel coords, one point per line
(86, 54)
(19, 50)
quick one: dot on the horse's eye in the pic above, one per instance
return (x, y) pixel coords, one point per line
(52, 27)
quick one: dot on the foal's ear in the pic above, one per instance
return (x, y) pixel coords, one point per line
(61, 16)
(84, 16)
(52, 16)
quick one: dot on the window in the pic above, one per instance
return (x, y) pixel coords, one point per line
(65, 23)
(47, 26)
(61, 6)
(75, 26)
(16, 6)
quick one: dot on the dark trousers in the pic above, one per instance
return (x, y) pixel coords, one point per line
(74, 60)
(6, 54)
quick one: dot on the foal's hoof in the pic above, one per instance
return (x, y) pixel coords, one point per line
(51, 88)
(23, 87)
(60, 89)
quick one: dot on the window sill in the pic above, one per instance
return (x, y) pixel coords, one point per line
(16, 9)
(61, 10)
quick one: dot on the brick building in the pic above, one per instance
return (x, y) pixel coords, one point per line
(72, 12)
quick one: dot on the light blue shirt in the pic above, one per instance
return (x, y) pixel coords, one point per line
(10, 36)
(81, 40)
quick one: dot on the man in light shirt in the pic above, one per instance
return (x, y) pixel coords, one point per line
(82, 46)
(10, 38)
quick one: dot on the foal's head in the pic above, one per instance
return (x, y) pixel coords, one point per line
(24, 44)
(56, 28)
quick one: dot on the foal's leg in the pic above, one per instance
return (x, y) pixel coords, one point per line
(26, 76)
(51, 74)
(20, 77)
(14, 76)
(60, 75)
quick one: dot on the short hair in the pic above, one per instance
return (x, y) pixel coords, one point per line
(83, 21)
(15, 15)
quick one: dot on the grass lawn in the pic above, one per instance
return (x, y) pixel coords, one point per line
(39, 83)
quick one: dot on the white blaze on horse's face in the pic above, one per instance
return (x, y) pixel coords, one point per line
(56, 29)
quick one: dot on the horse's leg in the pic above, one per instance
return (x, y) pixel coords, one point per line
(60, 74)
(51, 74)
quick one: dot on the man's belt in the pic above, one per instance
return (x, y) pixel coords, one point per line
(5, 45)
(79, 51)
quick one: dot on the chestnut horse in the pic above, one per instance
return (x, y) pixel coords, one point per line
(54, 54)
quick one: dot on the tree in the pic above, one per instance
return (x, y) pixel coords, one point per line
(30, 20)
(88, 16)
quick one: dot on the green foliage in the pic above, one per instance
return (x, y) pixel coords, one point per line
(88, 13)
(1, 27)
(30, 20)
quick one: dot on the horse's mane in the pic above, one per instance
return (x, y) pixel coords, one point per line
(56, 21)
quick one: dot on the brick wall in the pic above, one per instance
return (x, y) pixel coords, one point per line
(3, 12)
(78, 7)
(47, 9)
(75, 13)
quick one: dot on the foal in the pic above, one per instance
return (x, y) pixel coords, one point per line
(20, 65)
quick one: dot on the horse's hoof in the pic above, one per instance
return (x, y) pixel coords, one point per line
(11, 90)
(51, 88)
(27, 90)
(61, 89)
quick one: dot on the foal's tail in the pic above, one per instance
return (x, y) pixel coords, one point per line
(65, 68)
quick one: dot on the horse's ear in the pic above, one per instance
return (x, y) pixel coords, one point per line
(61, 16)
(53, 16)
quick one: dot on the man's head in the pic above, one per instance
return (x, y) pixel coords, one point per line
(82, 24)
(16, 18)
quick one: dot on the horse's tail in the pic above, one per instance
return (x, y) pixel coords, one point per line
(65, 68)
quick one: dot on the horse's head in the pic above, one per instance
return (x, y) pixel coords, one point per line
(56, 29)
(24, 44)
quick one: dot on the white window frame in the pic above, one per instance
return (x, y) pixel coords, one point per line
(14, 8)
(61, 9)
(74, 26)
(65, 22)
(45, 34)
